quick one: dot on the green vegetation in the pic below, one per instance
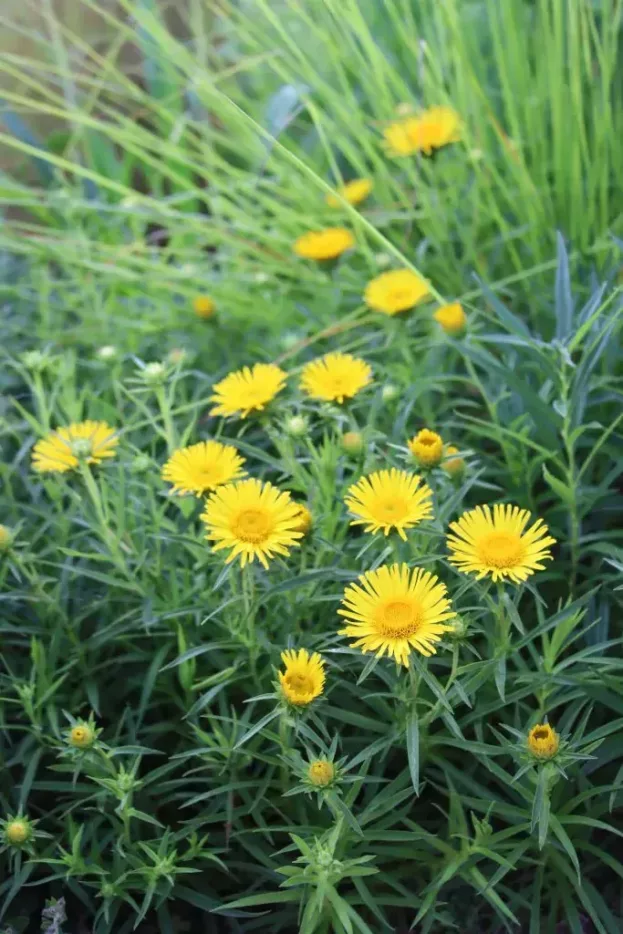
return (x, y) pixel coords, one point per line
(157, 772)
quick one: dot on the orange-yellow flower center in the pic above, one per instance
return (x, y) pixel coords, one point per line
(399, 619)
(391, 509)
(501, 550)
(252, 525)
(299, 684)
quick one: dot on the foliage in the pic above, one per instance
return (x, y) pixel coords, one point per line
(148, 749)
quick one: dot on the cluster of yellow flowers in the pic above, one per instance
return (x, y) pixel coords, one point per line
(392, 610)
(397, 290)
(395, 609)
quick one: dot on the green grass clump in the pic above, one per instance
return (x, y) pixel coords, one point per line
(164, 765)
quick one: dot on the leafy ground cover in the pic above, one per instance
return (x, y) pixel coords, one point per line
(310, 547)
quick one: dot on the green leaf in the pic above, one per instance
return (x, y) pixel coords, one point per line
(413, 749)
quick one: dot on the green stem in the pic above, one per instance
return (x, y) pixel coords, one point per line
(108, 536)
(284, 732)
(167, 419)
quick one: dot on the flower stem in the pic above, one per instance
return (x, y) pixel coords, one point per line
(167, 419)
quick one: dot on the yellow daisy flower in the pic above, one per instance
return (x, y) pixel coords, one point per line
(354, 192)
(253, 519)
(452, 318)
(248, 389)
(204, 306)
(426, 447)
(305, 519)
(63, 449)
(390, 499)
(494, 543)
(431, 129)
(324, 244)
(453, 466)
(303, 678)
(202, 467)
(395, 610)
(396, 291)
(335, 377)
(543, 741)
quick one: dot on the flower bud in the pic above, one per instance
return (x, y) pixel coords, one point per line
(81, 736)
(543, 741)
(390, 392)
(352, 442)
(107, 352)
(321, 772)
(297, 426)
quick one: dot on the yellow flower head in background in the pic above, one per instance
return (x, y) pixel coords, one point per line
(82, 735)
(64, 448)
(354, 192)
(543, 741)
(427, 448)
(303, 678)
(324, 244)
(429, 130)
(202, 467)
(453, 466)
(248, 389)
(495, 543)
(396, 291)
(335, 377)
(452, 318)
(305, 519)
(204, 306)
(390, 499)
(252, 519)
(395, 610)
(321, 772)
(6, 537)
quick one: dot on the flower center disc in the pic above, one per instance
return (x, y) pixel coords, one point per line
(541, 734)
(392, 509)
(252, 525)
(299, 683)
(501, 550)
(399, 619)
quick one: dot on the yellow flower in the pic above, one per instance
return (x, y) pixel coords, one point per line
(335, 377)
(324, 244)
(303, 678)
(82, 735)
(354, 192)
(390, 499)
(305, 519)
(394, 610)
(427, 448)
(543, 741)
(452, 318)
(17, 831)
(453, 466)
(202, 467)
(253, 519)
(63, 449)
(6, 538)
(495, 544)
(431, 129)
(204, 306)
(395, 291)
(247, 389)
(321, 772)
